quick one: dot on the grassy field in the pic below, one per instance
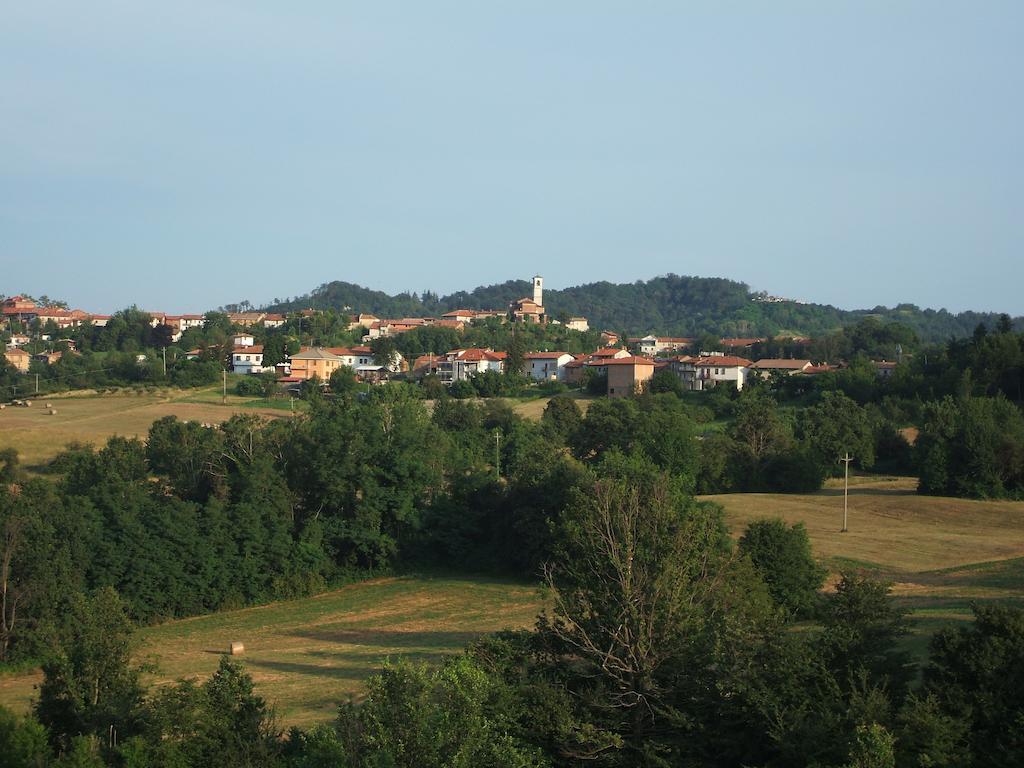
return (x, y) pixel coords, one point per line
(941, 554)
(307, 656)
(533, 409)
(89, 417)
(38, 436)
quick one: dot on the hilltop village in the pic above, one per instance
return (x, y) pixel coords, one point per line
(294, 349)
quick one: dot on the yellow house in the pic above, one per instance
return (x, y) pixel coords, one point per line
(315, 362)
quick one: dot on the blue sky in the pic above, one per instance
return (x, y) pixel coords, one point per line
(184, 155)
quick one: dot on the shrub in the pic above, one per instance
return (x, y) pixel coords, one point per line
(782, 555)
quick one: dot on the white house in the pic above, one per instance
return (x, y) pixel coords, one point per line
(460, 315)
(247, 359)
(547, 366)
(578, 324)
(714, 370)
(460, 364)
(652, 345)
(243, 340)
(273, 320)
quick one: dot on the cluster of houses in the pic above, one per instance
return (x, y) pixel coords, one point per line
(308, 362)
(525, 310)
(627, 368)
(629, 372)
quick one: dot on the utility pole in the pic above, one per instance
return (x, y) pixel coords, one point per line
(164, 350)
(37, 383)
(224, 386)
(847, 458)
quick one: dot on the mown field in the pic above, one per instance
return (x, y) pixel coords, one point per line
(307, 656)
(93, 418)
(941, 554)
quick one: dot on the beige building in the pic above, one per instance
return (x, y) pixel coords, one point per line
(628, 375)
(767, 366)
(314, 362)
(19, 358)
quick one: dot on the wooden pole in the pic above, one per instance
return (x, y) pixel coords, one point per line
(847, 458)
(224, 386)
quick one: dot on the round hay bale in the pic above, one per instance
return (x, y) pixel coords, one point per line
(53, 411)
(28, 403)
(237, 649)
(49, 406)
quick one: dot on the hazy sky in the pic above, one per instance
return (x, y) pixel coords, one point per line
(182, 155)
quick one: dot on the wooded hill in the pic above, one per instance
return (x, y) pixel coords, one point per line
(668, 305)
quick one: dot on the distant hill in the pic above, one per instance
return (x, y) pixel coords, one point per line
(668, 305)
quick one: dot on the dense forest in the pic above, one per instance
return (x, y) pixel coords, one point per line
(668, 305)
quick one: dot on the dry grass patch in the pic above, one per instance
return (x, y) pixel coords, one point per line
(307, 656)
(890, 526)
(941, 554)
(39, 437)
(534, 409)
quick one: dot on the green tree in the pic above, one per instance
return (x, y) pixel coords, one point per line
(873, 748)
(976, 675)
(929, 737)
(385, 351)
(90, 685)
(758, 426)
(343, 381)
(9, 469)
(836, 425)
(638, 569)
(274, 351)
(858, 642)
(782, 555)
(417, 717)
(23, 741)
(666, 381)
(561, 417)
(516, 359)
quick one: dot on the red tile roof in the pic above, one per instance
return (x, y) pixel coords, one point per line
(780, 364)
(631, 360)
(723, 361)
(544, 355)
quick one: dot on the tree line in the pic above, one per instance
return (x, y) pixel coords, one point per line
(668, 305)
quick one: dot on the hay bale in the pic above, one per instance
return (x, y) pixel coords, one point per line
(53, 411)
(28, 403)
(237, 649)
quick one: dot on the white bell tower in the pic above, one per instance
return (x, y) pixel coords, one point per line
(538, 290)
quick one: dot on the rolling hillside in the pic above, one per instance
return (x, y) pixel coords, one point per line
(670, 304)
